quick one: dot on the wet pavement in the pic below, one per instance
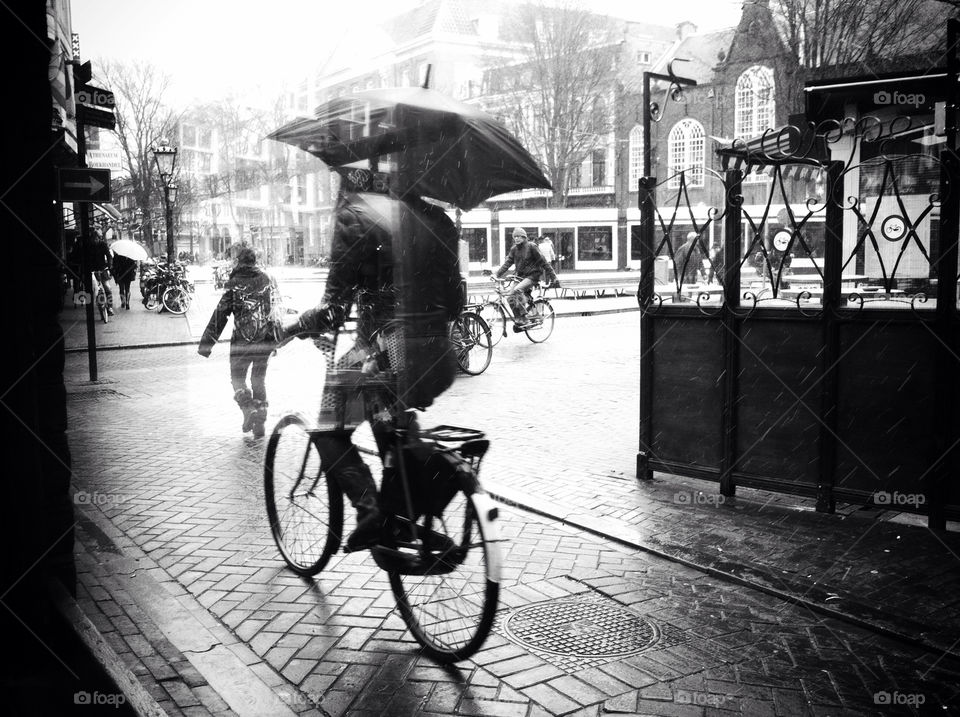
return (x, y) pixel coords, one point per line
(647, 597)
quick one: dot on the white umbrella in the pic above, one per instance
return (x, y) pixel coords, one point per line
(129, 249)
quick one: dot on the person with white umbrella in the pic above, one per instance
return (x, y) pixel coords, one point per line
(126, 254)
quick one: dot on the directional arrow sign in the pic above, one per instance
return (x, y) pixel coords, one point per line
(83, 184)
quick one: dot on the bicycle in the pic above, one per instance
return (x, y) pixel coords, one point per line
(443, 562)
(101, 299)
(472, 342)
(537, 324)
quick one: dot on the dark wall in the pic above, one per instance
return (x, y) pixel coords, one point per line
(37, 518)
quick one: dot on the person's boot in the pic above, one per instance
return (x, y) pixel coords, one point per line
(244, 399)
(369, 523)
(258, 418)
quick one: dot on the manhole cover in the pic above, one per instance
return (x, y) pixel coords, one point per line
(582, 628)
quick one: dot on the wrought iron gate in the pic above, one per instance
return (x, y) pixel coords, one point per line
(807, 339)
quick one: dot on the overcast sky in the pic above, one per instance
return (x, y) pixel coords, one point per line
(210, 46)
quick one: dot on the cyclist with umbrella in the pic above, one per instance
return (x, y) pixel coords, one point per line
(395, 255)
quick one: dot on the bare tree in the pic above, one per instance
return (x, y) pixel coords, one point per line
(557, 98)
(143, 120)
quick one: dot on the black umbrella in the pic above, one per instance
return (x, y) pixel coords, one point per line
(449, 150)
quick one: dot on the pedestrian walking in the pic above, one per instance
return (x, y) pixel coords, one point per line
(688, 261)
(545, 245)
(252, 297)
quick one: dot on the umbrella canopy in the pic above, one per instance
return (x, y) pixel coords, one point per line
(447, 150)
(129, 249)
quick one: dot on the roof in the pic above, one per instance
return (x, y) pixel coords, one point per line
(703, 53)
(433, 16)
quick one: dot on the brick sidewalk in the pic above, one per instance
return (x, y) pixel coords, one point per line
(190, 507)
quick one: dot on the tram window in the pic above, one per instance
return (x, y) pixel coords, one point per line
(477, 243)
(595, 244)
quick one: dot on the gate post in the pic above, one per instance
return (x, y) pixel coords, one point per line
(830, 338)
(946, 367)
(732, 241)
(647, 206)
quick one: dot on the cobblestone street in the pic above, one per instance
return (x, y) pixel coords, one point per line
(178, 566)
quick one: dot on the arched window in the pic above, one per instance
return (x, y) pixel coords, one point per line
(685, 153)
(636, 156)
(754, 109)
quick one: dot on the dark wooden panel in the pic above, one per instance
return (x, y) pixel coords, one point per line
(687, 395)
(778, 411)
(953, 488)
(884, 412)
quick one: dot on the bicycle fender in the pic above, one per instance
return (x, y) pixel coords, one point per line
(487, 512)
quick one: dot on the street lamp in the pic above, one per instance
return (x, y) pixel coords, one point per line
(166, 158)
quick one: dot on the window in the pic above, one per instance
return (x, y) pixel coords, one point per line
(643, 57)
(477, 242)
(599, 167)
(595, 244)
(636, 156)
(685, 153)
(206, 138)
(754, 111)
(188, 134)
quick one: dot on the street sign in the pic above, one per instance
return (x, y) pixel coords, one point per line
(95, 97)
(84, 184)
(95, 107)
(104, 159)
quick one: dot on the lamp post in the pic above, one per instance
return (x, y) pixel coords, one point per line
(166, 158)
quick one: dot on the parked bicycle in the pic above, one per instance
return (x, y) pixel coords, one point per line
(538, 322)
(442, 561)
(166, 287)
(472, 342)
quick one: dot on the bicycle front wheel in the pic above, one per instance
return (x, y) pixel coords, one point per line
(176, 300)
(472, 343)
(450, 609)
(494, 316)
(304, 508)
(540, 318)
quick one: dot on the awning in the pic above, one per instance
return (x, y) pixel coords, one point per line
(111, 211)
(798, 151)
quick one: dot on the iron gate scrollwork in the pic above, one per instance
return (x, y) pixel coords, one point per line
(802, 334)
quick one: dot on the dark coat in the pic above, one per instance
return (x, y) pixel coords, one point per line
(529, 262)
(124, 268)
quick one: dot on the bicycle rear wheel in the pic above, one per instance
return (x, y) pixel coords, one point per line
(450, 609)
(493, 314)
(541, 317)
(304, 508)
(176, 300)
(472, 343)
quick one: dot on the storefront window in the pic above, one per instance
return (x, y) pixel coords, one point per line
(595, 244)
(477, 243)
